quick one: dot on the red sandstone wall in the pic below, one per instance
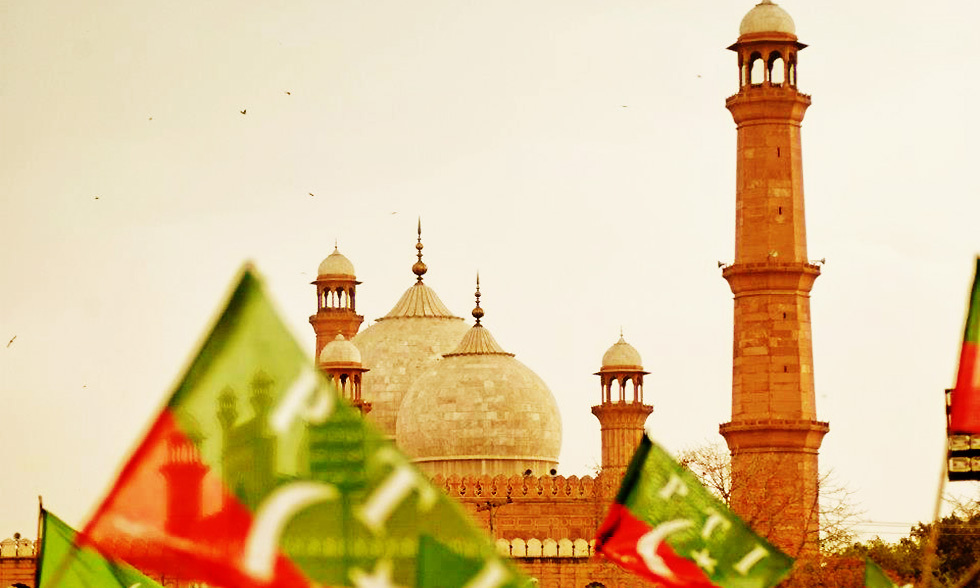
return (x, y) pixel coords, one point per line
(14, 570)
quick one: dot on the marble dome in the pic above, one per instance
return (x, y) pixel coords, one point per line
(402, 345)
(336, 264)
(622, 355)
(480, 411)
(767, 17)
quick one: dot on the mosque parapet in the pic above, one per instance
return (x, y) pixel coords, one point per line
(16, 547)
(517, 487)
(538, 548)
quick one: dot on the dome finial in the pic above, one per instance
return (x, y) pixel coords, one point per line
(419, 268)
(477, 311)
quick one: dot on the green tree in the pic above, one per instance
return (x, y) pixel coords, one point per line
(954, 561)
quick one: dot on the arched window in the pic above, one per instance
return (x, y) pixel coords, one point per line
(615, 391)
(777, 69)
(792, 71)
(757, 69)
(595, 585)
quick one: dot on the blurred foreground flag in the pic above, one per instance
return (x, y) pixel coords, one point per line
(63, 565)
(965, 399)
(666, 527)
(875, 577)
(256, 474)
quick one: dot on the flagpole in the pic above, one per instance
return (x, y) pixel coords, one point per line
(38, 542)
(930, 555)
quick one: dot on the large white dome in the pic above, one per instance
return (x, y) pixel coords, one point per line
(401, 346)
(480, 411)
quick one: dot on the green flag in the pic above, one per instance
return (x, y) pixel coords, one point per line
(62, 564)
(668, 528)
(875, 577)
(256, 474)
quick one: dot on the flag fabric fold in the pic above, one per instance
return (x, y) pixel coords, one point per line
(256, 474)
(666, 527)
(965, 398)
(875, 577)
(62, 564)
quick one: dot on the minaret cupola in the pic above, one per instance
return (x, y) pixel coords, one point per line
(767, 48)
(621, 412)
(336, 295)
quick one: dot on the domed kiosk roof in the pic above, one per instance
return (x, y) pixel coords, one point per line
(622, 355)
(340, 351)
(480, 411)
(403, 344)
(767, 17)
(336, 264)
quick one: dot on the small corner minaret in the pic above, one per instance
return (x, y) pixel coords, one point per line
(184, 472)
(773, 435)
(340, 361)
(623, 414)
(336, 289)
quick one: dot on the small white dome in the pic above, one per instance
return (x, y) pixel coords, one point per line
(340, 350)
(622, 354)
(336, 264)
(767, 17)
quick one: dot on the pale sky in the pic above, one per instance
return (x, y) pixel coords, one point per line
(577, 153)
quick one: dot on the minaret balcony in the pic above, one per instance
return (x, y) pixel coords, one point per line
(780, 103)
(771, 275)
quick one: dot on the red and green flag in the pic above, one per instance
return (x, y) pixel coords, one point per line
(668, 528)
(256, 474)
(62, 564)
(965, 400)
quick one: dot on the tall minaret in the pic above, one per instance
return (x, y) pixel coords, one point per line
(774, 434)
(336, 294)
(622, 412)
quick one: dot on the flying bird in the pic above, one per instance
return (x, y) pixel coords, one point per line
(287, 93)
(96, 197)
(243, 110)
(11, 340)
(310, 193)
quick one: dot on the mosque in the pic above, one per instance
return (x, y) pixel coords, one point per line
(486, 429)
